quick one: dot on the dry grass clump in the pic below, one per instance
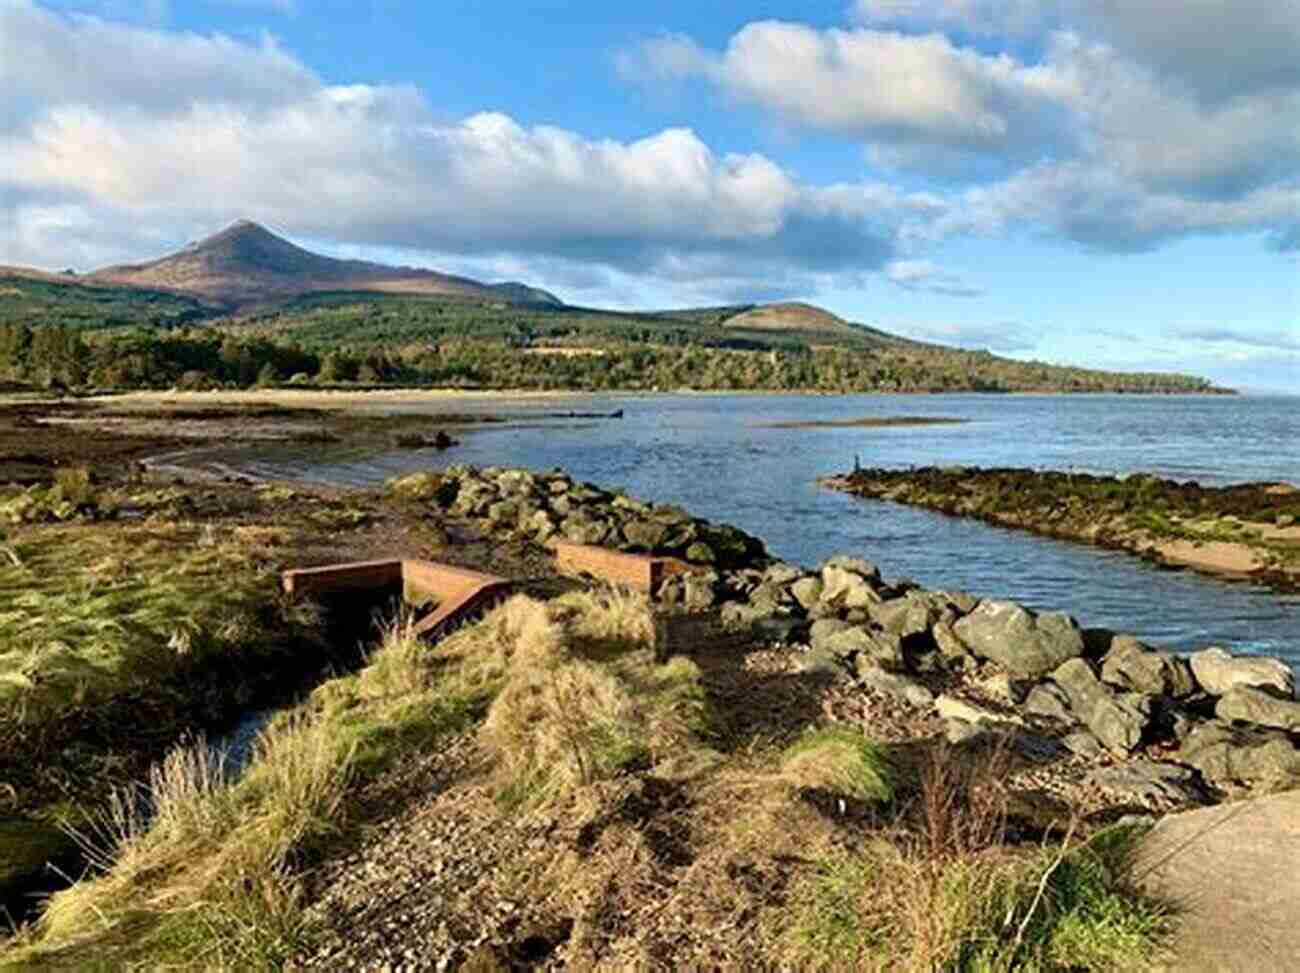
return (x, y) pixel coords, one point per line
(950, 894)
(841, 760)
(583, 698)
(199, 866)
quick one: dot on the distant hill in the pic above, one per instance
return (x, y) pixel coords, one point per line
(246, 265)
(245, 304)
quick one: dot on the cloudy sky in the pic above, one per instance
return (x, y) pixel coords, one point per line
(1103, 182)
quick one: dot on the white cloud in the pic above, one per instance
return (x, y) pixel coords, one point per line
(188, 132)
(924, 275)
(1216, 48)
(879, 86)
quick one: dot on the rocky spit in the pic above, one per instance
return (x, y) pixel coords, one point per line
(1104, 722)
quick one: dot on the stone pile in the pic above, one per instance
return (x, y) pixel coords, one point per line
(1174, 722)
(516, 503)
(1184, 726)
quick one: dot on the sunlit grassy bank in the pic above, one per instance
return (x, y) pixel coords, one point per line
(828, 853)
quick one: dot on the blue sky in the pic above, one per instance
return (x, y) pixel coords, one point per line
(1088, 181)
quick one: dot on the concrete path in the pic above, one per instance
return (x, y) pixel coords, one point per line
(1233, 874)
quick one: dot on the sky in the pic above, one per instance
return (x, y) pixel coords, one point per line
(1112, 183)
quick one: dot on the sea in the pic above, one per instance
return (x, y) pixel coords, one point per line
(727, 458)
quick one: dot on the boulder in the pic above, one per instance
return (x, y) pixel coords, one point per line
(1228, 756)
(516, 483)
(1049, 702)
(863, 569)
(648, 535)
(1133, 666)
(807, 592)
(1116, 720)
(1219, 672)
(699, 590)
(542, 526)
(821, 662)
(781, 573)
(847, 589)
(910, 691)
(1025, 644)
(962, 601)
(955, 708)
(581, 529)
(904, 617)
(1245, 704)
(1149, 783)
(844, 639)
(1083, 744)
(950, 646)
(741, 615)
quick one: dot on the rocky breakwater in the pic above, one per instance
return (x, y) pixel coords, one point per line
(1108, 721)
(1246, 531)
(1124, 723)
(516, 504)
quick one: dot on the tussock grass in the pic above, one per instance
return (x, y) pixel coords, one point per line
(196, 869)
(89, 613)
(949, 894)
(841, 760)
(1066, 908)
(583, 698)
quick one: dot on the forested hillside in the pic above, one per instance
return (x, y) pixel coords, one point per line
(71, 335)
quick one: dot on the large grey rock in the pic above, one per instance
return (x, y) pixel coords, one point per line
(1219, 672)
(516, 483)
(807, 592)
(950, 646)
(700, 590)
(1249, 705)
(1023, 643)
(843, 639)
(1230, 872)
(864, 569)
(781, 573)
(1049, 702)
(821, 662)
(847, 589)
(1116, 720)
(955, 708)
(581, 529)
(874, 677)
(1228, 756)
(904, 617)
(1133, 666)
(1147, 782)
(649, 535)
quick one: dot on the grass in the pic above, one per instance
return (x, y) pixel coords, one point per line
(841, 760)
(1068, 908)
(945, 891)
(88, 613)
(585, 700)
(195, 868)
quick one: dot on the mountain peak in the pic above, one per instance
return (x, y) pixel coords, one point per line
(246, 265)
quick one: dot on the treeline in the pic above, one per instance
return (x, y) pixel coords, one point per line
(53, 356)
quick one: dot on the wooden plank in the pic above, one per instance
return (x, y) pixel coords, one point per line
(355, 576)
(641, 572)
(458, 592)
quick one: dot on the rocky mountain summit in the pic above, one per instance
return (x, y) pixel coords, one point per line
(247, 265)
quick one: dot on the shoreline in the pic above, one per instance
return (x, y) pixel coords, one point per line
(1167, 522)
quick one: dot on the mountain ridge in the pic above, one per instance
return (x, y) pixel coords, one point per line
(246, 266)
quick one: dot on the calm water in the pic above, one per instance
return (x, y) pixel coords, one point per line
(713, 455)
